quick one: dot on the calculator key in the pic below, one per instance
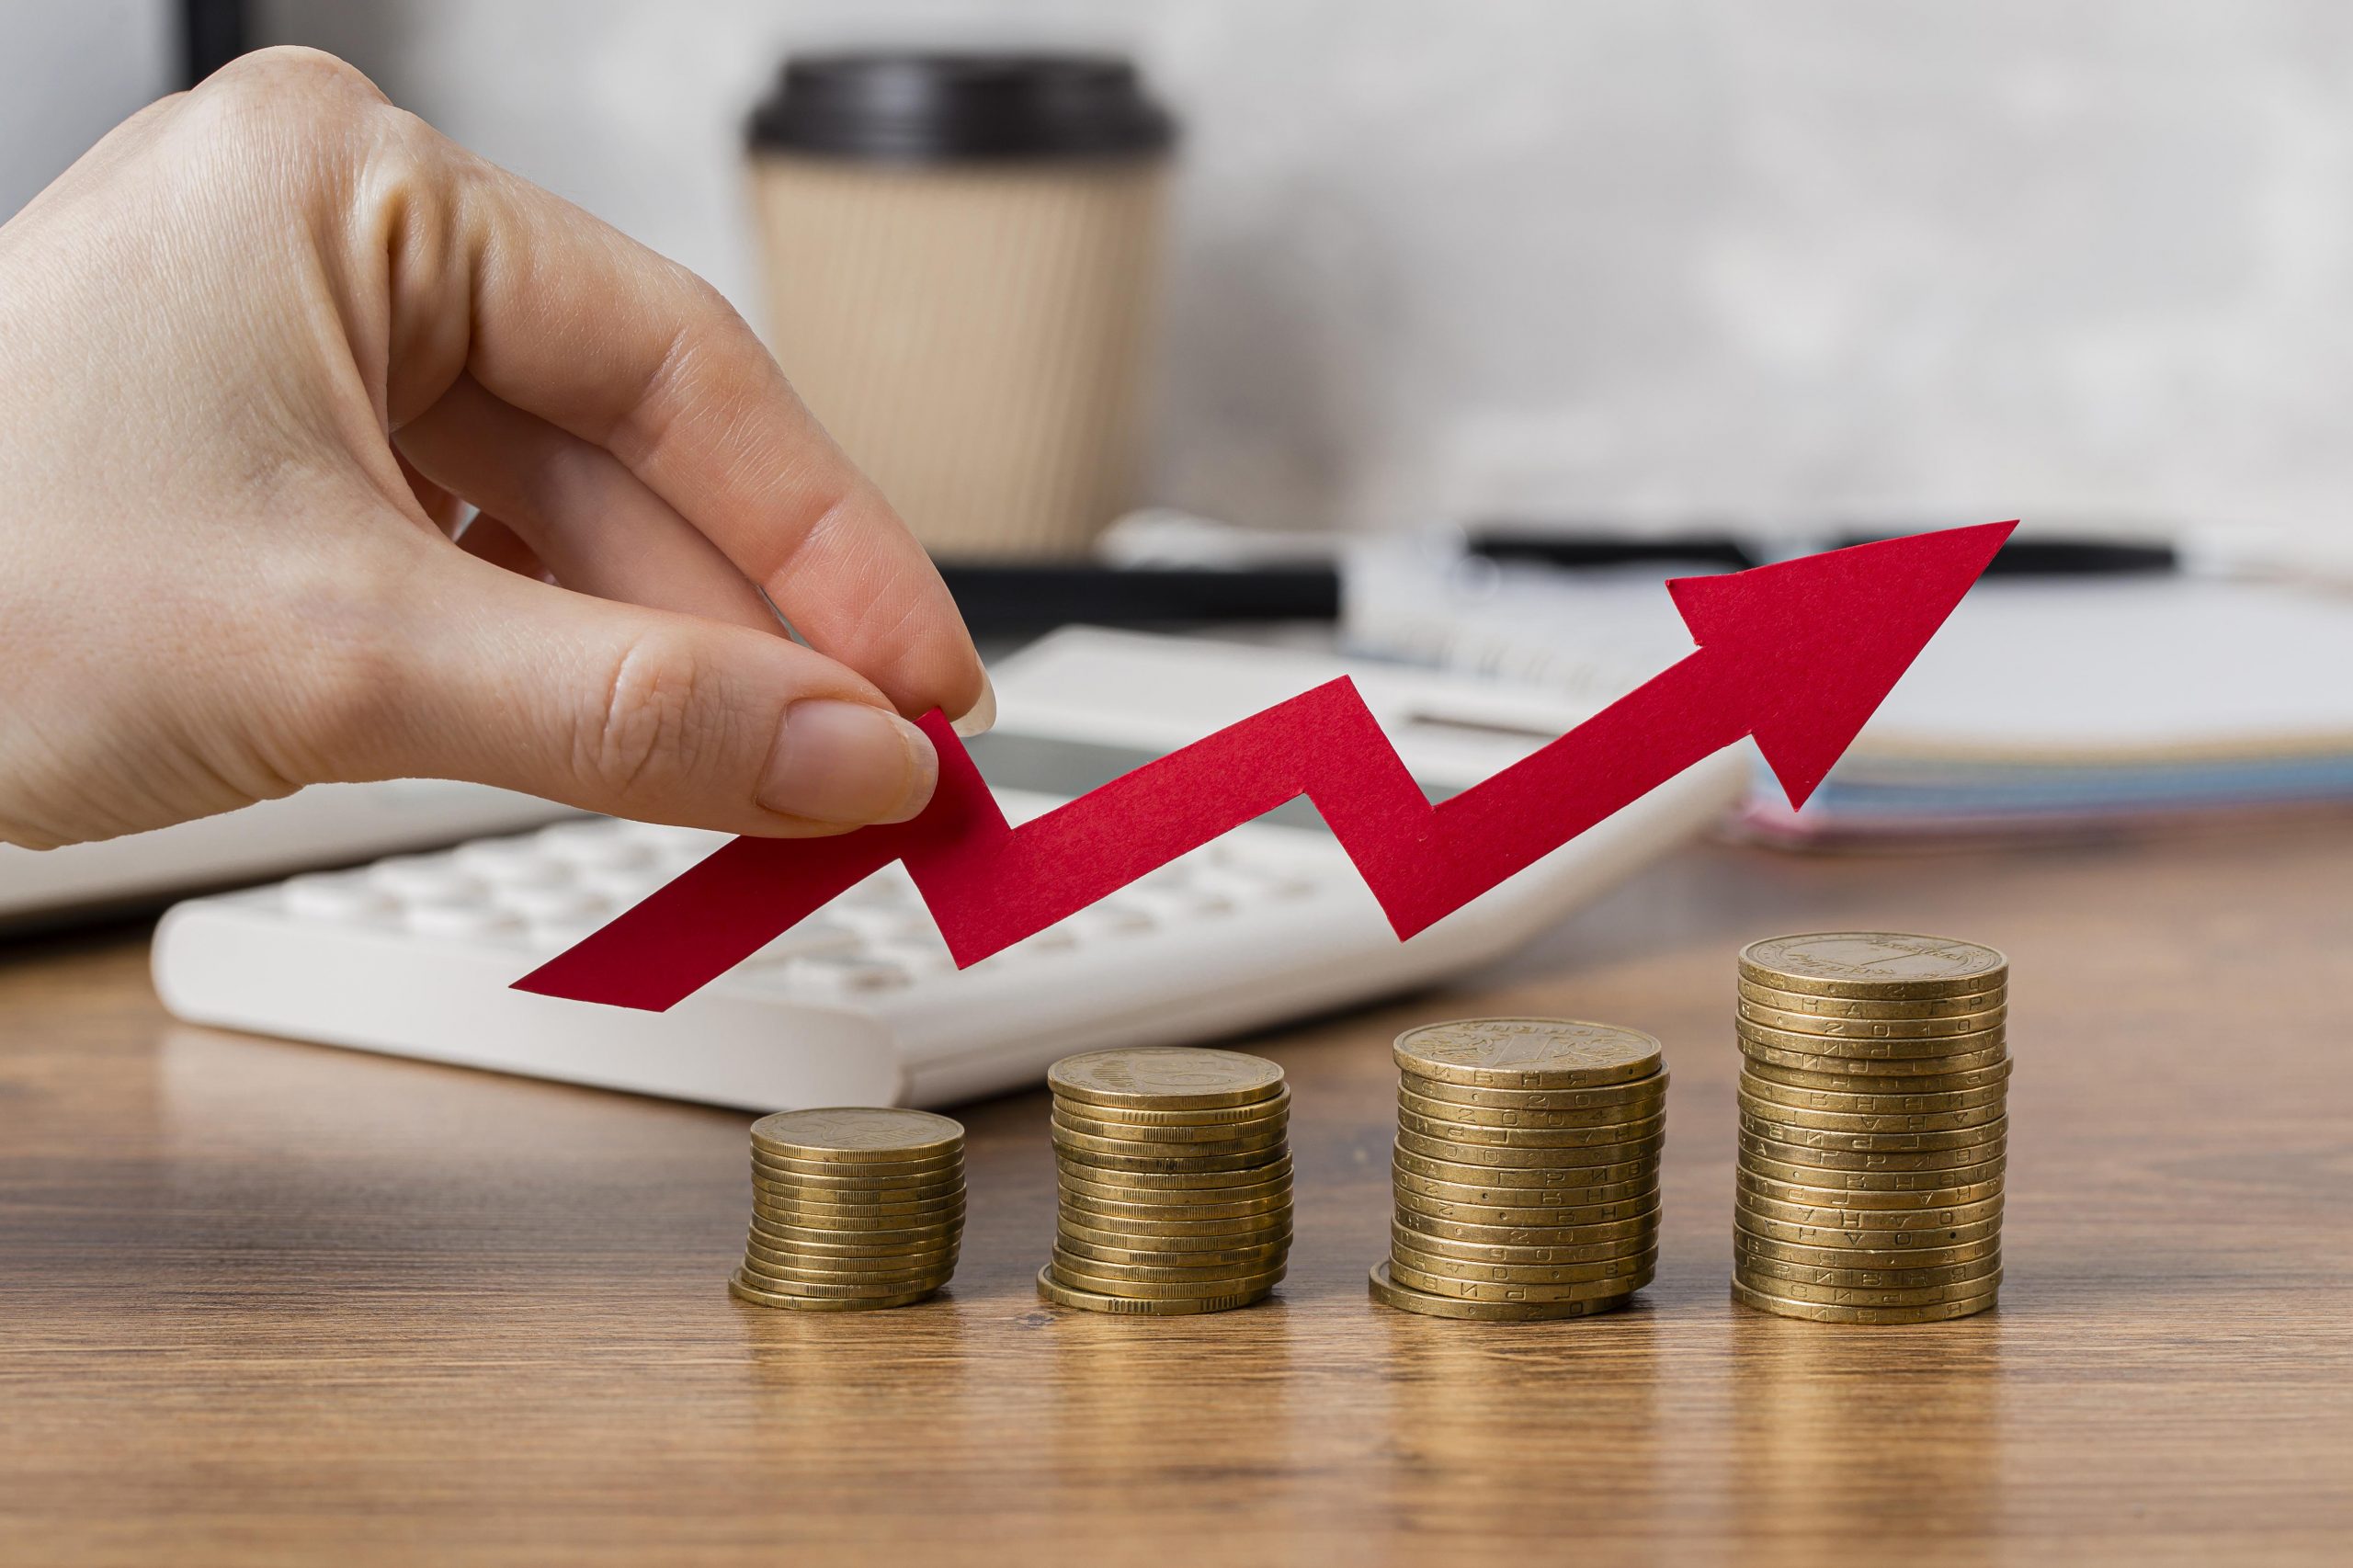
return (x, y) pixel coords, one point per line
(424, 877)
(847, 973)
(511, 862)
(565, 901)
(337, 897)
(594, 844)
(466, 920)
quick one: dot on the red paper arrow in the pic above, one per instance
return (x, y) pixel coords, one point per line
(1798, 654)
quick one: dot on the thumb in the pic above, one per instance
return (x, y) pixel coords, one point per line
(637, 712)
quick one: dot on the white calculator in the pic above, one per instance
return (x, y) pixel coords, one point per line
(860, 1004)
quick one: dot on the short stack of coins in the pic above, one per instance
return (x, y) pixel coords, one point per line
(1526, 1169)
(1873, 1126)
(1174, 1181)
(853, 1208)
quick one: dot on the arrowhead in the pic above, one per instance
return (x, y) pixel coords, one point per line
(1818, 642)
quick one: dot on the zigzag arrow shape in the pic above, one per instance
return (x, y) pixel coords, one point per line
(1798, 654)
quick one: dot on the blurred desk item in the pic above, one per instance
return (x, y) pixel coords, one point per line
(326, 825)
(962, 253)
(2091, 689)
(271, 1304)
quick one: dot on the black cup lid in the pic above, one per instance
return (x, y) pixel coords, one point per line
(934, 107)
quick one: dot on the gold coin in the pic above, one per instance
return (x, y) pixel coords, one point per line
(1171, 1183)
(1180, 1275)
(1601, 1181)
(1062, 1295)
(1771, 1093)
(1872, 1124)
(1528, 1053)
(1276, 1202)
(1870, 1221)
(1902, 1150)
(1862, 1152)
(1882, 1085)
(1939, 1312)
(1404, 1256)
(1935, 1070)
(1494, 1291)
(779, 1168)
(1524, 1217)
(1850, 1199)
(1838, 1049)
(1418, 1246)
(786, 1230)
(1866, 1178)
(1875, 1241)
(861, 1197)
(1616, 1134)
(1639, 1155)
(775, 1276)
(1275, 1105)
(760, 1297)
(902, 1254)
(1080, 1136)
(1231, 1260)
(876, 1218)
(1181, 1077)
(1950, 1025)
(816, 1290)
(1488, 1116)
(1873, 966)
(1564, 1190)
(1140, 1238)
(1608, 1233)
(1860, 1296)
(853, 1267)
(854, 1134)
(1891, 1267)
(1197, 1202)
(1147, 1289)
(1389, 1293)
(1079, 1151)
(1860, 1007)
(1635, 1099)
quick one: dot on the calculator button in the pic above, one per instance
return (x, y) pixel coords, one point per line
(511, 862)
(332, 897)
(567, 901)
(847, 973)
(594, 844)
(424, 877)
(464, 920)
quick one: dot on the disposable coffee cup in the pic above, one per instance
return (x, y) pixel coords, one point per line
(962, 256)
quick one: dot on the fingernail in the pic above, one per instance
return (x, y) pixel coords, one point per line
(982, 714)
(845, 762)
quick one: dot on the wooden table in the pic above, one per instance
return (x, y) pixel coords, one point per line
(265, 1303)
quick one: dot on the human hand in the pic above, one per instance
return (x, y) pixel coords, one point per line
(259, 345)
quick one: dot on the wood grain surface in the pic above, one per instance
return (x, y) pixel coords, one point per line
(265, 1302)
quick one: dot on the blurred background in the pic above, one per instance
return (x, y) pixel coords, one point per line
(1446, 332)
(2087, 260)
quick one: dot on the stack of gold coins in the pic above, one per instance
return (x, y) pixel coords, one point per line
(853, 1207)
(1526, 1169)
(1873, 1098)
(1174, 1170)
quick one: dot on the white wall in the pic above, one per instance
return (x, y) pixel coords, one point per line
(2058, 257)
(69, 71)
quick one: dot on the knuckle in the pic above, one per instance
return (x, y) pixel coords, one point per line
(280, 98)
(656, 720)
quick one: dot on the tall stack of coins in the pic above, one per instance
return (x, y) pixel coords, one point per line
(1526, 1169)
(1872, 1127)
(853, 1207)
(1173, 1177)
